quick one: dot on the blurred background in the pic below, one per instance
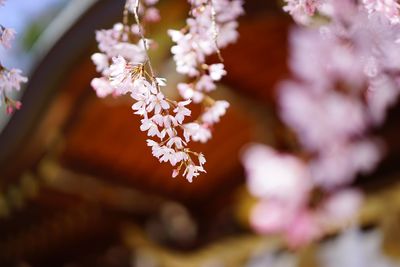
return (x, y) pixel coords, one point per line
(79, 186)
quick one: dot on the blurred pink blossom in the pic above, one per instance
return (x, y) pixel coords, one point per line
(389, 8)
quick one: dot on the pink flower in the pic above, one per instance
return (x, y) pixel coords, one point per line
(187, 92)
(152, 14)
(141, 102)
(388, 8)
(11, 105)
(268, 217)
(101, 61)
(157, 103)
(353, 158)
(205, 83)
(181, 111)
(301, 10)
(201, 159)
(303, 229)
(382, 93)
(102, 87)
(11, 80)
(215, 112)
(119, 71)
(216, 71)
(6, 36)
(321, 119)
(192, 171)
(277, 176)
(150, 126)
(196, 132)
(176, 141)
(341, 208)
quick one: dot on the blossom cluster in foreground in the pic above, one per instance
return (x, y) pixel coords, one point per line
(10, 79)
(345, 76)
(302, 11)
(126, 68)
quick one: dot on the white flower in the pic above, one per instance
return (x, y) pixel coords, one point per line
(181, 111)
(177, 157)
(192, 171)
(216, 71)
(102, 87)
(302, 10)
(187, 92)
(169, 121)
(270, 174)
(190, 129)
(165, 154)
(203, 135)
(176, 36)
(101, 61)
(131, 52)
(152, 143)
(152, 14)
(185, 56)
(11, 79)
(213, 113)
(205, 83)
(150, 126)
(157, 103)
(140, 105)
(202, 159)
(388, 8)
(176, 141)
(6, 36)
(198, 133)
(118, 71)
(162, 153)
(142, 86)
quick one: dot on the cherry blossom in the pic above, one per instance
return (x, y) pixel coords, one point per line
(181, 111)
(284, 185)
(279, 176)
(103, 87)
(345, 77)
(216, 71)
(198, 40)
(6, 36)
(10, 79)
(126, 69)
(388, 8)
(215, 112)
(301, 10)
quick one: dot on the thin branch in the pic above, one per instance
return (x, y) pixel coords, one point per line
(136, 15)
(215, 30)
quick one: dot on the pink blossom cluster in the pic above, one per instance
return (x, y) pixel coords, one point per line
(389, 8)
(126, 69)
(290, 202)
(303, 11)
(10, 79)
(212, 25)
(346, 76)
